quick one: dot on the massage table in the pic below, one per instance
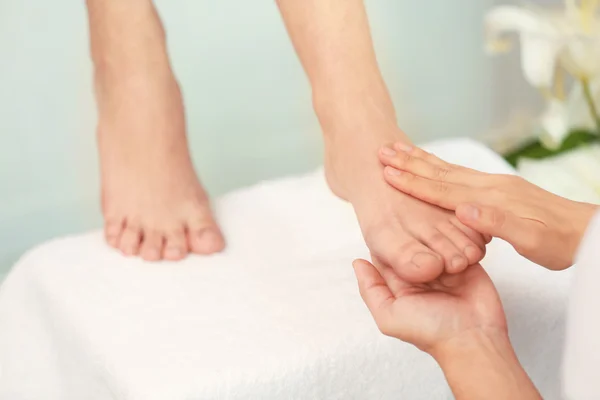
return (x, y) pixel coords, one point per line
(276, 316)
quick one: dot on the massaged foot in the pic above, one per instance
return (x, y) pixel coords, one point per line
(417, 240)
(152, 201)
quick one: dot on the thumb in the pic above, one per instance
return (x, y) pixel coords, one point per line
(374, 291)
(491, 221)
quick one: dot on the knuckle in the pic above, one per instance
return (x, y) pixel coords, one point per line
(442, 173)
(404, 159)
(441, 188)
(497, 194)
(497, 219)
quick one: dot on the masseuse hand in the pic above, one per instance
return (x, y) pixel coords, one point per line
(541, 226)
(431, 316)
(458, 319)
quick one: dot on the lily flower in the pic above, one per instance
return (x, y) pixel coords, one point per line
(553, 41)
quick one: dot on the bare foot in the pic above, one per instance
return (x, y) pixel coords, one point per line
(417, 240)
(152, 201)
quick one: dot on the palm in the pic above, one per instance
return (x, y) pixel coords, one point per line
(429, 314)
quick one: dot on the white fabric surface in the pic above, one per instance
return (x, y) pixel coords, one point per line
(277, 316)
(582, 347)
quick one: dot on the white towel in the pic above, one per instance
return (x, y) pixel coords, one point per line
(277, 316)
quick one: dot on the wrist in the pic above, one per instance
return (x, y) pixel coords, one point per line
(473, 343)
(484, 365)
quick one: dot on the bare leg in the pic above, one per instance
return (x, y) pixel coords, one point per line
(357, 116)
(152, 201)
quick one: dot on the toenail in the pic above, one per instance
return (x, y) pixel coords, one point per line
(152, 254)
(393, 171)
(403, 146)
(173, 252)
(472, 252)
(210, 237)
(425, 258)
(458, 262)
(388, 152)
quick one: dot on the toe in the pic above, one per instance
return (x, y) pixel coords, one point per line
(439, 242)
(409, 258)
(208, 240)
(465, 238)
(112, 231)
(151, 248)
(176, 247)
(129, 242)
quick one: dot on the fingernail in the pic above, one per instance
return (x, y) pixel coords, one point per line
(403, 146)
(472, 212)
(386, 151)
(392, 171)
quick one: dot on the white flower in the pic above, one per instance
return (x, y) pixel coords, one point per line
(555, 123)
(541, 42)
(553, 40)
(549, 38)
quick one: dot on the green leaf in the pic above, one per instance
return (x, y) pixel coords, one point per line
(536, 150)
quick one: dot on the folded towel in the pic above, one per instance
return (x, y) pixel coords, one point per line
(276, 316)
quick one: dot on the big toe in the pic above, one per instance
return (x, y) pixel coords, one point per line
(207, 240)
(410, 259)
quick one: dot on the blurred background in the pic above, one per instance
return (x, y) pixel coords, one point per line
(247, 99)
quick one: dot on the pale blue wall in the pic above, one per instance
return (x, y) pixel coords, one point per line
(247, 98)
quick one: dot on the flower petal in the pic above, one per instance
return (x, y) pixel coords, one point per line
(555, 124)
(578, 111)
(582, 57)
(541, 41)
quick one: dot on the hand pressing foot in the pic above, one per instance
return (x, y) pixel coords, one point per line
(417, 240)
(152, 201)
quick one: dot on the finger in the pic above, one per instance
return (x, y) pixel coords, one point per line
(495, 222)
(396, 285)
(443, 194)
(419, 153)
(432, 158)
(374, 291)
(416, 165)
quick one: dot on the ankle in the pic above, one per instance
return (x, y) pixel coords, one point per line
(350, 109)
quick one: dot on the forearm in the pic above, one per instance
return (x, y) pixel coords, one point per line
(484, 367)
(333, 41)
(127, 39)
